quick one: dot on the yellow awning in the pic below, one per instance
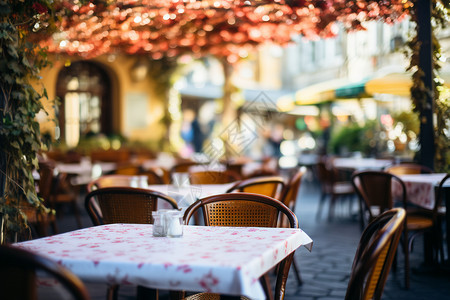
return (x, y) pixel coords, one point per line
(318, 93)
(395, 84)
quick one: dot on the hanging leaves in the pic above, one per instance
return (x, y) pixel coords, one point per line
(224, 28)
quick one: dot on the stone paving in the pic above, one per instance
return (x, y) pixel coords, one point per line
(325, 271)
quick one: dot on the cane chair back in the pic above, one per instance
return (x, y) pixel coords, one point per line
(241, 210)
(38, 220)
(289, 197)
(374, 256)
(127, 169)
(267, 185)
(183, 167)
(211, 177)
(440, 194)
(403, 169)
(439, 214)
(46, 179)
(18, 279)
(332, 186)
(374, 189)
(290, 191)
(372, 184)
(124, 205)
(116, 180)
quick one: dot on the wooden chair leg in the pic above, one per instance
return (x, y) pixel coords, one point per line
(297, 273)
(319, 209)
(144, 293)
(406, 254)
(331, 209)
(112, 292)
(54, 226)
(176, 295)
(265, 282)
(76, 212)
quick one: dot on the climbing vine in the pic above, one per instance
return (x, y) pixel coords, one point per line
(440, 94)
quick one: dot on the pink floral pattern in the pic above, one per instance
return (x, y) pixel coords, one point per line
(419, 188)
(211, 259)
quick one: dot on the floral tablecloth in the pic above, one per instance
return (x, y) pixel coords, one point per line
(213, 259)
(419, 188)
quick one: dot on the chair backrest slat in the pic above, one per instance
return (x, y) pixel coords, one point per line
(375, 254)
(248, 210)
(19, 280)
(266, 185)
(124, 205)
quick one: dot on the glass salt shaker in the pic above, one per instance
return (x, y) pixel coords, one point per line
(174, 223)
(159, 227)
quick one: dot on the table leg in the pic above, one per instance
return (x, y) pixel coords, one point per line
(144, 293)
(228, 297)
(447, 220)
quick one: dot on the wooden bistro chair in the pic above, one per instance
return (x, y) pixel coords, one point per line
(440, 214)
(266, 185)
(374, 189)
(116, 180)
(18, 279)
(40, 220)
(212, 177)
(245, 210)
(409, 168)
(374, 256)
(331, 186)
(124, 205)
(289, 197)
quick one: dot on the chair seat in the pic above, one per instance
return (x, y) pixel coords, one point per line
(208, 296)
(418, 222)
(342, 188)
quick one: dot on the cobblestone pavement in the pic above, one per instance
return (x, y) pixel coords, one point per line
(325, 271)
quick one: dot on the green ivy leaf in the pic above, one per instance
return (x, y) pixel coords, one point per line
(15, 144)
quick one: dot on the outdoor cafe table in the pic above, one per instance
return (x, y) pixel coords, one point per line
(420, 188)
(420, 191)
(359, 164)
(225, 260)
(186, 195)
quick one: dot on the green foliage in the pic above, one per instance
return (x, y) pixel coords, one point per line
(20, 63)
(419, 93)
(409, 120)
(352, 138)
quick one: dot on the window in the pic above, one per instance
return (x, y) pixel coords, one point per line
(86, 106)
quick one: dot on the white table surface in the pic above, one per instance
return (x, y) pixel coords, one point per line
(226, 260)
(358, 163)
(420, 188)
(186, 195)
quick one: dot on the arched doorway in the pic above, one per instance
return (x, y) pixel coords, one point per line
(84, 89)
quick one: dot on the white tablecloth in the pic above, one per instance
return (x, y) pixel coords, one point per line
(225, 260)
(186, 195)
(420, 188)
(358, 163)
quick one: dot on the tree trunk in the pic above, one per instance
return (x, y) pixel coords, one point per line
(229, 111)
(2, 153)
(424, 33)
